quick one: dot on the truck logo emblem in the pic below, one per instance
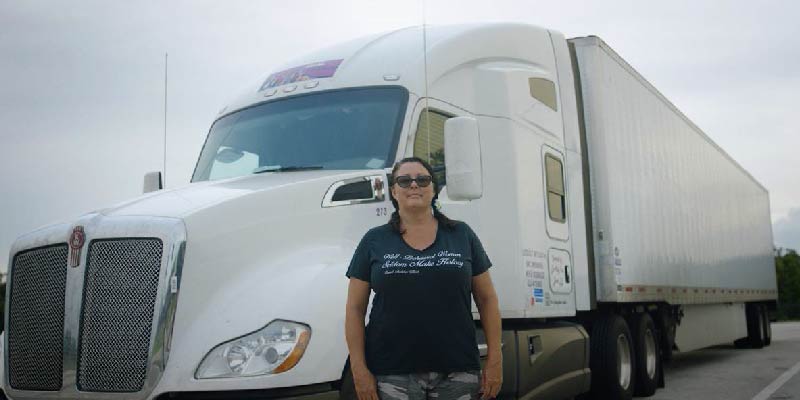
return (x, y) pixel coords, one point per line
(76, 241)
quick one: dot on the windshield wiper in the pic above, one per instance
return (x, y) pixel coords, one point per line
(278, 168)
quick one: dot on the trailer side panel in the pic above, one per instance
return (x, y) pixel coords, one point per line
(675, 218)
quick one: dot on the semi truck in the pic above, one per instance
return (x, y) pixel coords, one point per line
(619, 232)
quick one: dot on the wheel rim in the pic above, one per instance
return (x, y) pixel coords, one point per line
(650, 353)
(623, 361)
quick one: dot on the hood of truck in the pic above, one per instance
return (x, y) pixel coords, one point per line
(261, 248)
(186, 200)
(240, 254)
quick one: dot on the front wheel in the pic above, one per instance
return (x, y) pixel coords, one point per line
(612, 358)
(348, 389)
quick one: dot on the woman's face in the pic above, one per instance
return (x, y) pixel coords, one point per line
(413, 197)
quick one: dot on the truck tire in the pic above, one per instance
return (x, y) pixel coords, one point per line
(348, 389)
(755, 325)
(767, 325)
(611, 358)
(646, 353)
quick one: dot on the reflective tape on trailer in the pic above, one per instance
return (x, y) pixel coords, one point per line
(692, 295)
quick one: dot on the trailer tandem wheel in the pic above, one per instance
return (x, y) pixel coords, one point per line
(612, 358)
(646, 353)
(755, 325)
(767, 326)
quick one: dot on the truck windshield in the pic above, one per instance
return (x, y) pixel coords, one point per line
(342, 129)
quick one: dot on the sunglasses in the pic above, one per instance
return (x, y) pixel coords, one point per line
(404, 181)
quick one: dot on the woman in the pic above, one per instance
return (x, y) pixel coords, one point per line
(423, 267)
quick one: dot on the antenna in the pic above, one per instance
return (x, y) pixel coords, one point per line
(425, 60)
(164, 175)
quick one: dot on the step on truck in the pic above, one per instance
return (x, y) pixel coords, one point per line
(619, 232)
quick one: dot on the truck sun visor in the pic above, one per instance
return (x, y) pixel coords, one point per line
(324, 69)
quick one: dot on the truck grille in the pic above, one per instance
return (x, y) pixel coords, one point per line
(36, 318)
(116, 322)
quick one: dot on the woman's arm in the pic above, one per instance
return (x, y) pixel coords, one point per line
(356, 309)
(486, 300)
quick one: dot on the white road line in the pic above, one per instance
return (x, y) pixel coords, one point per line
(777, 383)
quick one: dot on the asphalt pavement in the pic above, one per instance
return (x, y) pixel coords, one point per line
(725, 372)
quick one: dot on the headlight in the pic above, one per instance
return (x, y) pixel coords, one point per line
(273, 349)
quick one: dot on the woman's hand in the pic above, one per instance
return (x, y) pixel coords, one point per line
(357, 299)
(492, 377)
(366, 386)
(486, 300)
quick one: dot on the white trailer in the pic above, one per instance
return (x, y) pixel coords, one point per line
(675, 218)
(681, 232)
(619, 232)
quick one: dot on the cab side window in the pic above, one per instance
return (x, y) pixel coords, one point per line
(556, 201)
(429, 141)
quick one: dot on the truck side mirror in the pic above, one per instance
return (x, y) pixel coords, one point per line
(152, 182)
(462, 157)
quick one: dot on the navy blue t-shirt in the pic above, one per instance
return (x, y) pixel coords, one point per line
(421, 318)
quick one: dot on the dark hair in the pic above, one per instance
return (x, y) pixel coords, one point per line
(394, 220)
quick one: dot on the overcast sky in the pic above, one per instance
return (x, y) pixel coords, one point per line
(82, 82)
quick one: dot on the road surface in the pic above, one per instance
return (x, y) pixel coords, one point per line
(728, 373)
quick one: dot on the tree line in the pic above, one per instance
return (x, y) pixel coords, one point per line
(787, 270)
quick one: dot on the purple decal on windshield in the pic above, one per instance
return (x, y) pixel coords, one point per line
(324, 69)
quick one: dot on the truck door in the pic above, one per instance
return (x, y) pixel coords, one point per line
(560, 274)
(426, 141)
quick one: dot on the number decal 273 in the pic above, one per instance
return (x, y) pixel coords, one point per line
(381, 212)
